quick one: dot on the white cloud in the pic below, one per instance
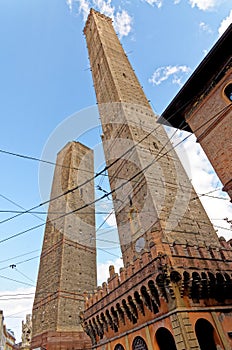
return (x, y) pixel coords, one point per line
(205, 181)
(164, 73)
(205, 27)
(176, 2)
(111, 220)
(69, 3)
(121, 19)
(204, 4)
(122, 23)
(225, 23)
(103, 269)
(16, 305)
(104, 7)
(79, 6)
(158, 3)
(84, 8)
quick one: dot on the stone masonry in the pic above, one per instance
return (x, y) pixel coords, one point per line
(153, 198)
(174, 291)
(68, 258)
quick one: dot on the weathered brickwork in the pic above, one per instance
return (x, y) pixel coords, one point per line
(152, 291)
(68, 258)
(177, 274)
(153, 197)
(211, 122)
(204, 106)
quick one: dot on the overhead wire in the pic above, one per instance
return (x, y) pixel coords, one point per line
(16, 281)
(50, 212)
(19, 256)
(78, 186)
(22, 274)
(17, 205)
(20, 262)
(158, 159)
(112, 191)
(104, 196)
(85, 182)
(102, 171)
(43, 161)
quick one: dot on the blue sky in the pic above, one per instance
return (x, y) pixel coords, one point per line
(45, 79)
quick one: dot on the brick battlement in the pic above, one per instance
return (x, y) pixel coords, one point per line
(178, 256)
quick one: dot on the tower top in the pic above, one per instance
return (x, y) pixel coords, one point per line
(94, 13)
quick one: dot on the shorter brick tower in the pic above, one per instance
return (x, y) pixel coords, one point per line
(204, 106)
(68, 258)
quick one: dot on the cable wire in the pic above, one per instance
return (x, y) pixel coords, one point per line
(112, 191)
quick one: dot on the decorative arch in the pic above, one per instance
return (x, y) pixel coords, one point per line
(228, 91)
(205, 334)
(139, 344)
(118, 347)
(165, 339)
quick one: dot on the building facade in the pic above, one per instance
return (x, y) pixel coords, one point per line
(204, 107)
(7, 338)
(174, 291)
(68, 259)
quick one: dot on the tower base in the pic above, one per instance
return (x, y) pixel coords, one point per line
(53, 340)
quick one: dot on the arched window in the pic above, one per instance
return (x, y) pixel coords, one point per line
(139, 344)
(165, 339)
(228, 92)
(118, 347)
(205, 334)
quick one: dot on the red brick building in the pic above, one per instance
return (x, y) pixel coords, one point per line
(204, 107)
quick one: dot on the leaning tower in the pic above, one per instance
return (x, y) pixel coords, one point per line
(174, 288)
(153, 198)
(68, 259)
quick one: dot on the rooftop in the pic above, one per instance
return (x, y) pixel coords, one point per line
(206, 75)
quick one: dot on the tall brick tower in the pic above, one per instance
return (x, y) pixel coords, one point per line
(153, 197)
(68, 258)
(174, 290)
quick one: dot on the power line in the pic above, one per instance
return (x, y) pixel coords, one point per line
(16, 313)
(107, 166)
(19, 256)
(17, 205)
(85, 182)
(20, 282)
(21, 273)
(19, 263)
(112, 191)
(42, 161)
(50, 212)
(22, 298)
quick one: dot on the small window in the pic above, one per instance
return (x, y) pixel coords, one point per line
(139, 344)
(155, 145)
(119, 347)
(228, 92)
